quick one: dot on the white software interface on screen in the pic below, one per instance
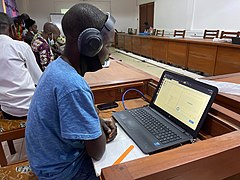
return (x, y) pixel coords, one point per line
(184, 103)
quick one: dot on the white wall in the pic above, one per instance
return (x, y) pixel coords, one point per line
(126, 14)
(173, 14)
(197, 15)
(217, 14)
(192, 15)
(124, 11)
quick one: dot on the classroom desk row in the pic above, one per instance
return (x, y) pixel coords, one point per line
(203, 55)
(215, 156)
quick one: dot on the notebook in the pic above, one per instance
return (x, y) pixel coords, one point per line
(174, 116)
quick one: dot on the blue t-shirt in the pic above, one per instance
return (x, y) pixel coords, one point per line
(61, 116)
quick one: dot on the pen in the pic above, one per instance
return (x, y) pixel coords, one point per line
(119, 160)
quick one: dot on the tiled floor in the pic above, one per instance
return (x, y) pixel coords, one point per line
(145, 64)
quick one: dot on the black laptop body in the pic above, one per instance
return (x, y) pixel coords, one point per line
(179, 107)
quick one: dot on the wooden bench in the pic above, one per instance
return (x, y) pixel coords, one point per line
(9, 131)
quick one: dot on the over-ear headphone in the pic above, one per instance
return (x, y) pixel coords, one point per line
(90, 41)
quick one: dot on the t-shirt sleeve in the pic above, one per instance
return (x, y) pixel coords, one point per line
(78, 117)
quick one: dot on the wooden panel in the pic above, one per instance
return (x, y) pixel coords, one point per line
(199, 52)
(228, 60)
(136, 44)
(203, 160)
(202, 58)
(146, 49)
(128, 43)
(120, 40)
(159, 49)
(177, 53)
(114, 93)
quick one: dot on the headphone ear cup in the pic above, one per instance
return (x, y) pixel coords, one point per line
(90, 42)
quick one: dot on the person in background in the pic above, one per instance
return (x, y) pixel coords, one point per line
(19, 72)
(19, 24)
(58, 46)
(24, 16)
(63, 129)
(61, 40)
(31, 27)
(42, 42)
(147, 28)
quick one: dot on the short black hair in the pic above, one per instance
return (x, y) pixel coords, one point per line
(80, 17)
(29, 23)
(5, 19)
(5, 22)
(49, 27)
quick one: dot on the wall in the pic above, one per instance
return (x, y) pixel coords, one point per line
(192, 15)
(197, 15)
(124, 11)
(126, 14)
(173, 14)
(216, 14)
(139, 2)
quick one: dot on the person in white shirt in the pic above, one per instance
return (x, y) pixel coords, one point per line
(19, 72)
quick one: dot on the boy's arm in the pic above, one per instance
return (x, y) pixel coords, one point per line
(96, 148)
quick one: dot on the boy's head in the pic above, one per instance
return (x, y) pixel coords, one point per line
(91, 31)
(7, 25)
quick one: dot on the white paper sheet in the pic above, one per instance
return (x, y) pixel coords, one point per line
(115, 149)
(224, 87)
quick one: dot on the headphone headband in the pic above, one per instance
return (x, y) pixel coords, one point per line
(109, 24)
(90, 41)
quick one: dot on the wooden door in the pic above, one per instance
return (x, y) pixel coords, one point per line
(146, 14)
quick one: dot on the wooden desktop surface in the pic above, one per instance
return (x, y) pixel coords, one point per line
(108, 84)
(116, 73)
(228, 100)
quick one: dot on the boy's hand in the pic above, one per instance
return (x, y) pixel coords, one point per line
(109, 128)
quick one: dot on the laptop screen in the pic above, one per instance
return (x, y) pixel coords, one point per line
(182, 99)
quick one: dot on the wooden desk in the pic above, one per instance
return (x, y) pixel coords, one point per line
(216, 156)
(202, 160)
(227, 100)
(204, 55)
(109, 84)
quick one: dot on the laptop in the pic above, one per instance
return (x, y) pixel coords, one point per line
(174, 116)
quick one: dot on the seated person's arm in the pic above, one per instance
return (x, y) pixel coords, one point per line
(79, 122)
(96, 148)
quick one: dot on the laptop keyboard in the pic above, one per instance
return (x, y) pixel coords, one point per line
(156, 128)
